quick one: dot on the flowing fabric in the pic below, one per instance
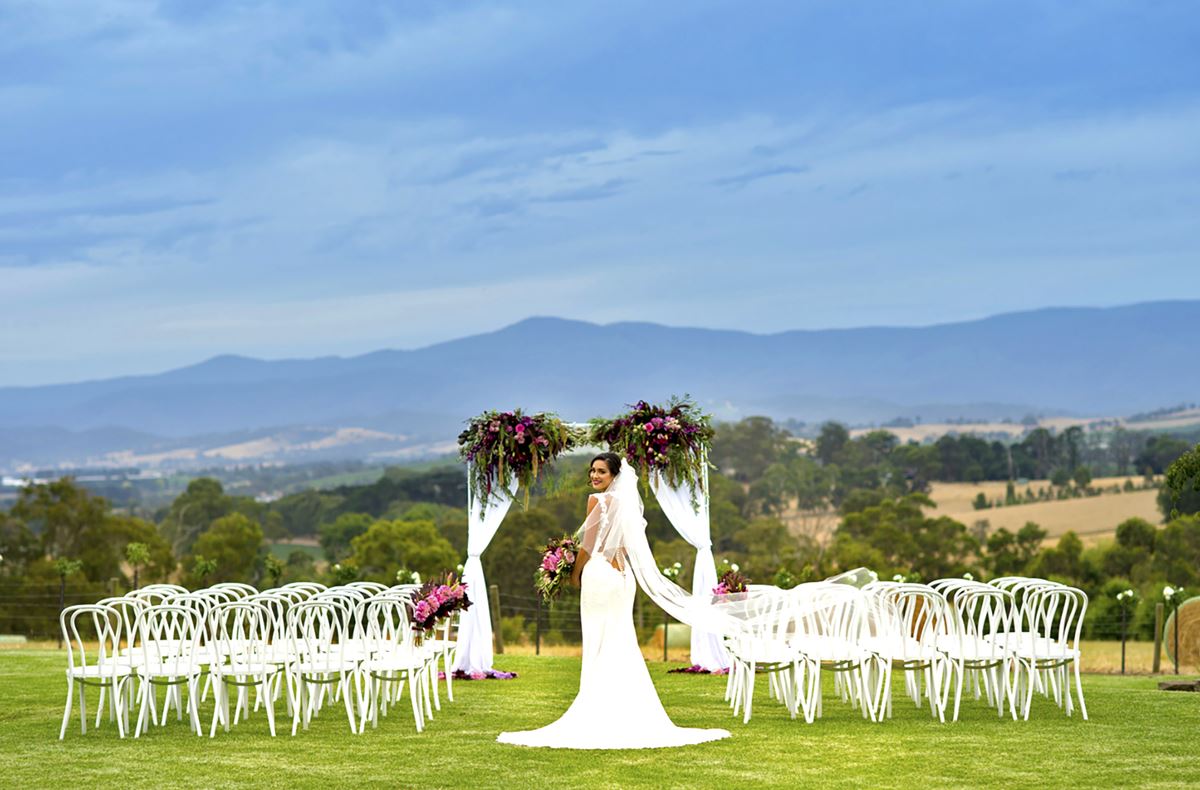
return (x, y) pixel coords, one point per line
(695, 527)
(617, 706)
(474, 652)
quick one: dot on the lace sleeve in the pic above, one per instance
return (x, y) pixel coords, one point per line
(596, 534)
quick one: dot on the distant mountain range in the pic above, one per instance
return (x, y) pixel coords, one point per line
(388, 404)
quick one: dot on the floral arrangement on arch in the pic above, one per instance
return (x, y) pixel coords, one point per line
(503, 445)
(436, 600)
(671, 440)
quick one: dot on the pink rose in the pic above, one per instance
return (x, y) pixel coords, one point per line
(520, 428)
(648, 427)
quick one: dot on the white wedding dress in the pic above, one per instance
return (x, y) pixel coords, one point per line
(617, 706)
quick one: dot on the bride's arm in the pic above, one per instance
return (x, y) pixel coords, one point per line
(583, 555)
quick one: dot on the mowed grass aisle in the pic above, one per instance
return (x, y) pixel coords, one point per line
(1138, 737)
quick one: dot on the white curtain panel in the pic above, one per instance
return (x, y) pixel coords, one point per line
(696, 529)
(475, 629)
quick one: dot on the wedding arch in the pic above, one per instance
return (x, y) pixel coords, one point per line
(506, 452)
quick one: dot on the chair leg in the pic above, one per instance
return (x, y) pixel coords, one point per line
(346, 697)
(268, 692)
(62, 733)
(1079, 689)
(82, 709)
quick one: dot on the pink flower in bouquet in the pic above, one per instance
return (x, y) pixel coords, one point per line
(569, 556)
(648, 427)
(721, 589)
(422, 612)
(520, 428)
(433, 602)
(549, 562)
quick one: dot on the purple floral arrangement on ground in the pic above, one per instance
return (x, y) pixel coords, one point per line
(696, 669)
(437, 600)
(731, 582)
(491, 674)
(671, 440)
(502, 445)
(554, 573)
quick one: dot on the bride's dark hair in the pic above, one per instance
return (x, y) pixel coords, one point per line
(611, 460)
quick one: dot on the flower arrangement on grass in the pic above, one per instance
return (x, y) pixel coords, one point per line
(503, 445)
(670, 440)
(554, 573)
(437, 600)
(731, 582)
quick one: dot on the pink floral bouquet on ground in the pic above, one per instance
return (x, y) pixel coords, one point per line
(437, 600)
(554, 573)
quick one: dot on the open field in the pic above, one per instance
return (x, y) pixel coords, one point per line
(1136, 738)
(1092, 518)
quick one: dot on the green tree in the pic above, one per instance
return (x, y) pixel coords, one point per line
(69, 521)
(1177, 552)
(137, 554)
(1160, 452)
(743, 450)
(234, 544)
(336, 537)
(1082, 476)
(907, 540)
(1180, 494)
(388, 546)
(203, 502)
(831, 440)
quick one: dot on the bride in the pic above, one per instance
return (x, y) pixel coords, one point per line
(617, 706)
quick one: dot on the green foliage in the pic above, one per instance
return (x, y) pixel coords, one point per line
(388, 546)
(898, 537)
(272, 569)
(1180, 494)
(1009, 554)
(336, 537)
(234, 544)
(1082, 476)
(745, 450)
(196, 509)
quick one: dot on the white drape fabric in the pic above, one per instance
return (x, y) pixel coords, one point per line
(696, 528)
(475, 628)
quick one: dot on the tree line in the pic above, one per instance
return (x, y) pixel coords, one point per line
(786, 510)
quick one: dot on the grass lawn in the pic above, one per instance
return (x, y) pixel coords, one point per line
(1137, 737)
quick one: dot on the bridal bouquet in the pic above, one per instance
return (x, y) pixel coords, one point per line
(502, 445)
(437, 600)
(554, 574)
(670, 440)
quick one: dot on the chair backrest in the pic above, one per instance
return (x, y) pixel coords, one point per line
(369, 587)
(1057, 614)
(240, 631)
(169, 637)
(308, 588)
(910, 616)
(318, 631)
(385, 624)
(92, 636)
(237, 588)
(835, 612)
(154, 595)
(128, 608)
(163, 586)
(978, 613)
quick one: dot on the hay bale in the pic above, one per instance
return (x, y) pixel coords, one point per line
(1189, 633)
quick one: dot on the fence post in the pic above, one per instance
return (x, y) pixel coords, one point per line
(1158, 629)
(494, 599)
(1123, 632)
(666, 625)
(537, 628)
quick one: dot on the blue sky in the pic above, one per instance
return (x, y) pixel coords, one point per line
(181, 179)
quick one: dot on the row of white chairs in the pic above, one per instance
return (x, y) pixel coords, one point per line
(313, 644)
(1005, 640)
